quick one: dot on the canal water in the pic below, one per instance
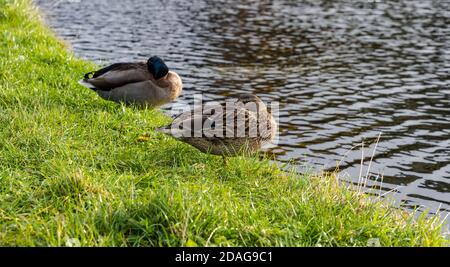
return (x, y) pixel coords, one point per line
(344, 72)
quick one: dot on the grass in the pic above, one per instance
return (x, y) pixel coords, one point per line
(78, 170)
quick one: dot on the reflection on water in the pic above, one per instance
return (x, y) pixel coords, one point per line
(343, 71)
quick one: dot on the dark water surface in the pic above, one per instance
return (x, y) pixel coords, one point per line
(343, 71)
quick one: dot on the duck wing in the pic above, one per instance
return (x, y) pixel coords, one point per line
(116, 75)
(221, 124)
(183, 125)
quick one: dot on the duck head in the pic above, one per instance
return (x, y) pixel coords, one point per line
(157, 67)
(251, 99)
(248, 98)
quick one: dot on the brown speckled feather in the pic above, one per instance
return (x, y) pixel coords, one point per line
(225, 141)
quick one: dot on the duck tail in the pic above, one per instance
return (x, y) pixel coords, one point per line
(168, 130)
(85, 83)
(164, 130)
(87, 75)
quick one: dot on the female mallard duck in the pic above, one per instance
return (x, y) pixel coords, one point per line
(240, 126)
(147, 84)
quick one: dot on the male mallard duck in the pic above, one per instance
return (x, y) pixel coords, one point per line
(148, 84)
(227, 129)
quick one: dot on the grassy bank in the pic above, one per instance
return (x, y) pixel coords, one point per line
(77, 170)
